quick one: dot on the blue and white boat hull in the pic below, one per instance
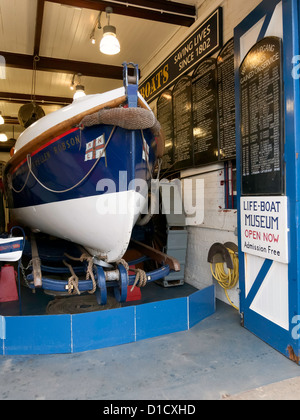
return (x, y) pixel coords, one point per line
(11, 249)
(85, 185)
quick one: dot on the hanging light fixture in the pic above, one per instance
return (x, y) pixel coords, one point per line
(73, 82)
(109, 43)
(1, 119)
(79, 93)
(3, 137)
(30, 112)
(96, 24)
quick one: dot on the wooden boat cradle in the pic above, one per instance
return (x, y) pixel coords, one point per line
(99, 279)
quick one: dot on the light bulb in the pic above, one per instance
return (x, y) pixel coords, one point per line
(109, 43)
(79, 92)
(3, 137)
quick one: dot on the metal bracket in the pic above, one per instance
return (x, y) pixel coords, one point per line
(131, 84)
(120, 290)
(101, 291)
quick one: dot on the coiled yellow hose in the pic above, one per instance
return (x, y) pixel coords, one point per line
(227, 279)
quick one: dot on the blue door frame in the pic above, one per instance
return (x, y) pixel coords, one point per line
(285, 341)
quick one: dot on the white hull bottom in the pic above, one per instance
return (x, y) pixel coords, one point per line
(102, 224)
(10, 256)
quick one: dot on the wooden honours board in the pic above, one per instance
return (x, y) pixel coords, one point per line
(165, 117)
(183, 130)
(205, 119)
(262, 119)
(226, 99)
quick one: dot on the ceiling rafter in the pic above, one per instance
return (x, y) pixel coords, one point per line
(5, 147)
(161, 11)
(164, 5)
(25, 61)
(158, 10)
(10, 120)
(39, 99)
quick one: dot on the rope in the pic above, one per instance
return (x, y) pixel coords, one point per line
(9, 181)
(227, 280)
(79, 304)
(140, 277)
(72, 281)
(127, 118)
(89, 271)
(124, 263)
(28, 158)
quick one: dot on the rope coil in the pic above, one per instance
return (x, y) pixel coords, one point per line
(140, 277)
(227, 280)
(74, 280)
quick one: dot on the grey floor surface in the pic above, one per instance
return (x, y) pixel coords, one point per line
(214, 360)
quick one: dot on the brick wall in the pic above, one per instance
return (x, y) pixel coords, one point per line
(219, 225)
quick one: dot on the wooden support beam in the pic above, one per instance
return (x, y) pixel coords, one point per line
(58, 65)
(36, 262)
(160, 11)
(10, 120)
(39, 99)
(7, 145)
(164, 5)
(156, 255)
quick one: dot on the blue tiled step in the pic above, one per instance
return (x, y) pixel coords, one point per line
(48, 334)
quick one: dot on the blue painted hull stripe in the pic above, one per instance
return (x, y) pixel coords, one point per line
(67, 159)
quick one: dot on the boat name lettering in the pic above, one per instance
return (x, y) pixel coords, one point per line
(67, 144)
(39, 160)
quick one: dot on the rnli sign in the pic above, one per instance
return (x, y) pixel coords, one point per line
(204, 41)
(264, 227)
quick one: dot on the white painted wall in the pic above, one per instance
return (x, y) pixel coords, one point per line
(219, 225)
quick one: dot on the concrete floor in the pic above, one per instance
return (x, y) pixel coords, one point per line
(283, 390)
(216, 359)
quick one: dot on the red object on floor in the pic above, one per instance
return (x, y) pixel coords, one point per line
(136, 293)
(8, 286)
